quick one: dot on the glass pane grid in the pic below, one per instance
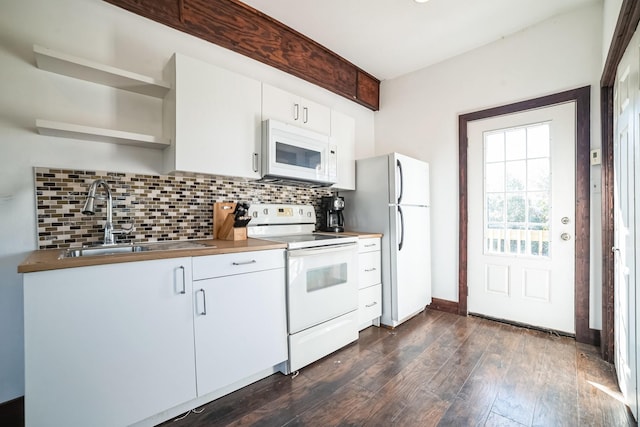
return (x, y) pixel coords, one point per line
(517, 191)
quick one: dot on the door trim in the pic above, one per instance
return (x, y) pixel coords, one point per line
(625, 28)
(582, 98)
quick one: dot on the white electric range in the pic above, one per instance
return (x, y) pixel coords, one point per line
(322, 285)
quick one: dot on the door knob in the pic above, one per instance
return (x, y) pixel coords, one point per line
(565, 236)
(565, 220)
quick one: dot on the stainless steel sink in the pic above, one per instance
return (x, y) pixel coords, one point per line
(103, 250)
(167, 246)
(142, 247)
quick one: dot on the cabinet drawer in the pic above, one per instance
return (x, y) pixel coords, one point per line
(368, 245)
(369, 269)
(205, 267)
(369, 303)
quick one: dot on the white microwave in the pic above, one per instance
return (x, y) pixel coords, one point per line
(291, 153)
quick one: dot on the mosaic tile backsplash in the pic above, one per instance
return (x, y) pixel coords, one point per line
(160, 207)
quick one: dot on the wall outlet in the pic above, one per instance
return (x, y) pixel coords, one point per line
(595, 157)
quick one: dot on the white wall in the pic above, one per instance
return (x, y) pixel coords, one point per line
(101, 32)
(419, 115)
(610, 13)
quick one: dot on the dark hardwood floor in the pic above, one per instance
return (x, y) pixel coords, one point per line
(436, 369)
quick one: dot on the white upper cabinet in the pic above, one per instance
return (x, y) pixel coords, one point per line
(213, 118)
(293, 109)
(343, 137)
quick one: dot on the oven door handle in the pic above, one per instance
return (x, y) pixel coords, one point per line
(321, 250)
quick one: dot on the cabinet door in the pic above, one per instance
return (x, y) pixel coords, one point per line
(108, 345)
(343, 137)
(217, 120)
(240, 325)
(290, 108)
(280, 105)
(316, 116)
(369, 269)
(369, 305)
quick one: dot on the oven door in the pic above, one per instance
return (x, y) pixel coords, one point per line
(322, 284)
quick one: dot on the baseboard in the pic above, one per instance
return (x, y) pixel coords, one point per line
(444, 305)
(12, 413)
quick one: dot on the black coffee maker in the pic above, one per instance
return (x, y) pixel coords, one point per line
(332, 219)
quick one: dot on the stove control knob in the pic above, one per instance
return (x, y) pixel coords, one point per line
(255, 214)
(301, 212)
(265, 211)
(309, 214)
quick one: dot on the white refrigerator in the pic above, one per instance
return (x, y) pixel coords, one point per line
(392, 197)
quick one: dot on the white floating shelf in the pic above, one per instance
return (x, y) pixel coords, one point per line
(70, 130)
(68, 65)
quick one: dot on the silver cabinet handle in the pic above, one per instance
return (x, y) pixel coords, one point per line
(255, 162)
(184, 281)
(368, 270)
(305, 115)
(565, 236)
(296, 111)
(371, 305)
(204, 303)
(253, 261)
(370, 245)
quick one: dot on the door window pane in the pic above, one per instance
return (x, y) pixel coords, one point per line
(494, 147)
(494, 177)
(538, 175)
(538, 209)
(538, 141)
(517, 191)
(516, 175)
(495, 207)
(516, 144)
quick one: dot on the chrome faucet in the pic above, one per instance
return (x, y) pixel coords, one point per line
(89, 209)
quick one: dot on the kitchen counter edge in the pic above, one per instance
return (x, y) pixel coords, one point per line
(50, 259)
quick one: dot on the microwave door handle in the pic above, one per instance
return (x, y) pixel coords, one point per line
(401, 228)
(399, 167)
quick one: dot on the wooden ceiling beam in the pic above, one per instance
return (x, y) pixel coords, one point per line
(245, 30)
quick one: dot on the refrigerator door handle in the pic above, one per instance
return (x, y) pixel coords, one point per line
(399, 166)
(401, 229)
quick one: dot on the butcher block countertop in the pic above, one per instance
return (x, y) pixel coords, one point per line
(52, 259)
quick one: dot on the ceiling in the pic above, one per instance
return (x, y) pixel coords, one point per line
(389, 38)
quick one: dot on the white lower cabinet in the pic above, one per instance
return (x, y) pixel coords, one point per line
(240, 317)
(108, 345)
(370, 283)
(119, 344)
